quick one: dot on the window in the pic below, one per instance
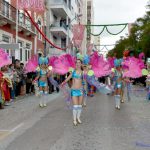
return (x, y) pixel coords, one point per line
(40, 27)
(5, 38)
(6, 6)
(55, 39)
(27, 51)
(21, 17)
(27, 21)
(55, 18)
(21, 49)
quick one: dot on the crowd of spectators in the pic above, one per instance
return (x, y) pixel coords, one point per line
(14, 83)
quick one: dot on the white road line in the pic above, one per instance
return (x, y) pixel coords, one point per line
(4, 130)
(17, 127)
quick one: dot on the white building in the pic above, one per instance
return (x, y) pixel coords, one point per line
(90, 20)
(61, 15)
(97, 42)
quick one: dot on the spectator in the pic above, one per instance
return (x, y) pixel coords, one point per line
(6, 84)
(18, 78)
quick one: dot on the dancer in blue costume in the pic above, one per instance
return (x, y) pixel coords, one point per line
(43, 73)
(76, 91)
(118, 82)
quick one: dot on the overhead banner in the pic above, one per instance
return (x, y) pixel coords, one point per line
(89, 49)
(78, 34)
(32, 5)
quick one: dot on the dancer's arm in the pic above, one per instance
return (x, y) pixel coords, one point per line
(68, 78)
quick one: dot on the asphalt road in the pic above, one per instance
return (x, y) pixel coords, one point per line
(25, 126)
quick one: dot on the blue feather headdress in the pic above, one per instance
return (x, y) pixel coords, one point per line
(86, 60)
(43, 60)
(117, 62)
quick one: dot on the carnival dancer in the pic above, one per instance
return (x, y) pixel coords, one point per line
(76, 91)
(43, 72)
(118, 82)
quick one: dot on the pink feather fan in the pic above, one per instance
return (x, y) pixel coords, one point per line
(62, 64)
(4, 58)
(32, 64)
(111, 61)
(133, 67)
(99, 65)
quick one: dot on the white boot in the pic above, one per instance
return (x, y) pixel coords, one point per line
(75, 107)
(45, 99)
(79, 114)
(41, 99)
(118, 101)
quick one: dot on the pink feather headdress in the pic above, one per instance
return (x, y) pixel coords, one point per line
(100, 66)
(111, 61)
(4, 58)
(32, 64)
(133, 67)
(62, 64)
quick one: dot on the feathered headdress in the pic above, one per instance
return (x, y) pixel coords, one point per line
(117, 62)
(134, 67)
(4, 58)
(32, 64)
(43, 60)
(86, 60)
(62, 64)
(79, 56)
(100, 66)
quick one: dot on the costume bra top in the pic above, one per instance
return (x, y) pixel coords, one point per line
(43, 72)
(118, 75)
(76, 76)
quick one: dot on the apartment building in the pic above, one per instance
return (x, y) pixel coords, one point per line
(30, 41)
(97, 42)
(90, 20)
(62, 14)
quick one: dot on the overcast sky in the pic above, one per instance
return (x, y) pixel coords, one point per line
(114, 12)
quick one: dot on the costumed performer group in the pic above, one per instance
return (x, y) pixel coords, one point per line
(84, 70)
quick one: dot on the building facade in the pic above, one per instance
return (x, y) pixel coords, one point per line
(30, 41)
(62, 14)
(97, 42)
(90, 20)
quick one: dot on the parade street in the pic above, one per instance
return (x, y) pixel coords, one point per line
(25, 126)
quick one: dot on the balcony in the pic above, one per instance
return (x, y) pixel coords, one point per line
(8, 16)
(59, 29)
(60, 8)
(55, 52)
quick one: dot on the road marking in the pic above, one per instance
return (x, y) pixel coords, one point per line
(5, 133)
(17, 127)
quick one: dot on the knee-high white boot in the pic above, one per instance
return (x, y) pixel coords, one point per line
(79, 114)
(41, 99)
(45, 99)
(117, 101)
(75, 109)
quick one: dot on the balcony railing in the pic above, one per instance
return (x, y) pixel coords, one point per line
(63, 45)
(8, 12)
(59, 24)
(58, 2)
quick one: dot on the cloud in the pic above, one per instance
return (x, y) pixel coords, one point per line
(117, 11)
